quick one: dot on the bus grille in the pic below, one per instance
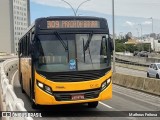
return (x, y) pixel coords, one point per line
(67, 96)
(75, 76)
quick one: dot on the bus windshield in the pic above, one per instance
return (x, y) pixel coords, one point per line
(67, 52)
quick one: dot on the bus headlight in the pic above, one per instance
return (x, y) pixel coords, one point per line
(105, 84)
(108, 81)
(44, 87)
(40, 85)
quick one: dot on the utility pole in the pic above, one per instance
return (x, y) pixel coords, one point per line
(152, 23)
(152, 32)
(114, 51)
(141, 36)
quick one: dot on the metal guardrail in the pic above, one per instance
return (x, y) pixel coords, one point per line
(10, 102)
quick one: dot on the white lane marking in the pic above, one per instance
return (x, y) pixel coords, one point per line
(136, 92)
(13, 78)
(105, 105)
(137, 99)
(130, 118)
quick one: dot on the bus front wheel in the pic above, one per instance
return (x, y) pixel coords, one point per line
(93, 104)
(34, 106)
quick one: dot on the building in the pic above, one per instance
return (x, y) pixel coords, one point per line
(132, 42)
(15, 19)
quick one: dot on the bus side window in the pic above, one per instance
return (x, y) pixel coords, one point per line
(22, 47)
(29, 37)
(25, 46)
(28, 44)
(32, 37)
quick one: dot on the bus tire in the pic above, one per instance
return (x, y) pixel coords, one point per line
(92, 104)
(34, 106)
(22, 84)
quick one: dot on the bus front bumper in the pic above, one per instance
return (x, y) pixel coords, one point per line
(43, 98)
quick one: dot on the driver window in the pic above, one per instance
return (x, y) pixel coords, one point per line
(155, 67)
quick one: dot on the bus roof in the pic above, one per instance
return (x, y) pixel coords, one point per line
(72, 17)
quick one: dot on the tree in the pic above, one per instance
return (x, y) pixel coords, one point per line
(128, 35)
(153, 35)
(120, 47)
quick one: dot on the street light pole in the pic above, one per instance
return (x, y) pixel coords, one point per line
(70, 6)
(152, 23)
(114, 51)
(81, 5)
(137, 32)
(152, 32)
(75, 12)
(141, 30)
(141, 35)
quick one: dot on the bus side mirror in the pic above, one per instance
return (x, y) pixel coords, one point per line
(111, 44)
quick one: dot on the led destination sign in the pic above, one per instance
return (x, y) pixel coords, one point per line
(73, 24)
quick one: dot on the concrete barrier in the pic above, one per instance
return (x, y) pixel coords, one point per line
(8, 98)
(130, 66)
(149, 85)
(139, 60)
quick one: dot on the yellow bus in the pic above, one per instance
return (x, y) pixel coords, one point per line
(66, 60)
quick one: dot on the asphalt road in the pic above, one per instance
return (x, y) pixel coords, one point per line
(123, 100)
(131, 72)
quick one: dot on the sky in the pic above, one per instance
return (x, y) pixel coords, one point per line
(128, 13)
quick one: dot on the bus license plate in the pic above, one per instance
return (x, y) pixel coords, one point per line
(78, 97)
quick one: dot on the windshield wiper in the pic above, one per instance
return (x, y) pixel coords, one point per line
(61, 40)
(88, 41)
(87, 47)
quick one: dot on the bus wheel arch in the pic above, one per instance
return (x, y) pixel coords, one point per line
(33, 104)
(21, 79)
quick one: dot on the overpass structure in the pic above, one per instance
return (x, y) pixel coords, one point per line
(145, 61)
(124, 99)
(3, 58)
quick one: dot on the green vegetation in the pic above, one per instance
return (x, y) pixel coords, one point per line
(121, 47)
